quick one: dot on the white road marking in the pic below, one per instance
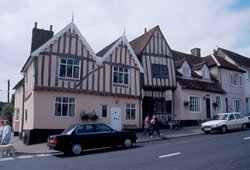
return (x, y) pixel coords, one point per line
(7, 159)
(246, 138)
(25, 156)
(168, 155)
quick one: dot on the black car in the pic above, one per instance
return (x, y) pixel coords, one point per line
(82, 136)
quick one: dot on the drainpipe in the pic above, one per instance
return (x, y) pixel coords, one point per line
(22, 122)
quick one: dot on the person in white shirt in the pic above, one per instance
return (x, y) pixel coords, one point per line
(6, 136)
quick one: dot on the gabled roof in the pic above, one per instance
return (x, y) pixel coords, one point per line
(105, 52)
(215, 60)
(200, 85)
(72, 27)
(140, 43)
(241, 60)
(19, 84)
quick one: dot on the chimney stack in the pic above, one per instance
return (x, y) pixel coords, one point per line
(196, 52)
(40, 36)
(50, 27)
(145, 30)
(35, 25)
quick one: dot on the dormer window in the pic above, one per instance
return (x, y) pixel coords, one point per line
(206, 74)
(186, 72)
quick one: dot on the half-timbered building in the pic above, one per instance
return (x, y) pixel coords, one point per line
(64, 80)
(158, 80)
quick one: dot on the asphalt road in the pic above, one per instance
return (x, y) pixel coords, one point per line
(206, 152)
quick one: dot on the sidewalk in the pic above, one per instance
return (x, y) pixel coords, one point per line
(167, 134)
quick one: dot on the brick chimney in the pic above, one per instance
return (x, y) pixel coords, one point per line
(40, 36)
(196, 52)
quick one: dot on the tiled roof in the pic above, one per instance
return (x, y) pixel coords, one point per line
(200, 85)
(139, 43)
(191, 59)
(103, 51)
(242, 61)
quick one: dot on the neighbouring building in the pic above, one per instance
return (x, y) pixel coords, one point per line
(242, 62)
(230, 77)
(198, 95)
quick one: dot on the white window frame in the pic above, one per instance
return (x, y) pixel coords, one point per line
(17, 114)
(218, 100)
(130, 111)
(186, 72)
(194, 106)
(236, 80)
(237, 105)
(206, 74)
(124, 73)
(65, 102)
(67, 66)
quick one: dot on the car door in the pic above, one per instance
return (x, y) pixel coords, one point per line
(238, 120)
(105, 134)
(86, 136)
(232, 123)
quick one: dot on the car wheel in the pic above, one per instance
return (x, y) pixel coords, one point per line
(76, 149)
(244, 126)
(223, 129)
(127, 143)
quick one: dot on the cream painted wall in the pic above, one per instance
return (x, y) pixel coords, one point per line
(44, 109)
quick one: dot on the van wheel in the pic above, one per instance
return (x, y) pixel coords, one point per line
(244, 126)
(127, 143)
(223, 129)
(76, 149)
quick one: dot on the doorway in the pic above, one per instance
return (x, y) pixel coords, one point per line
(116, 118)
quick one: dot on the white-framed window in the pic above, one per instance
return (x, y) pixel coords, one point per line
(206, 74)
(235, 80)
(130, 111)
(121, 76)
(237, 105)
(64, 107)
(218, 101)
(69, 68)
(195, 104)
(17, 114)
(186, 72)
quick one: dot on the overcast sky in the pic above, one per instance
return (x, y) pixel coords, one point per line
(186, 24)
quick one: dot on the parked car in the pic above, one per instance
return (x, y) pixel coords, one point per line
(225, 122)
(78, 137)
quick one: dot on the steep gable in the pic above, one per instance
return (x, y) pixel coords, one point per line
(146, 43)
(72, 27)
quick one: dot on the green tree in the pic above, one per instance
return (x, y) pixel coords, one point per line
(7, 112)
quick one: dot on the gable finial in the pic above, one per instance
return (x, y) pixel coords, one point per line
(123, 36)
(72, 22)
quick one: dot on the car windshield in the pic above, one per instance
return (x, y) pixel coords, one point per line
(69, 130)
(221, 117)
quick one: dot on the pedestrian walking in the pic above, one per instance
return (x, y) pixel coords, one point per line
(147, 127)
(6, 136)
(155, 125)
